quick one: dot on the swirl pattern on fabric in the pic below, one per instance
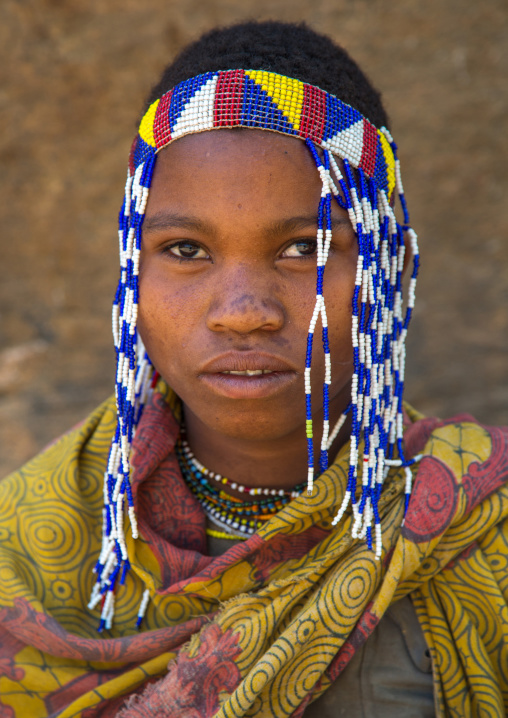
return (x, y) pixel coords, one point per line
(272, 622)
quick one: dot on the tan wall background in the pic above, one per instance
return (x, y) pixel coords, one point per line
(74, 74)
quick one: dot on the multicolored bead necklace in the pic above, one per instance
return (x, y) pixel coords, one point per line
(197, 466)
(229, 512)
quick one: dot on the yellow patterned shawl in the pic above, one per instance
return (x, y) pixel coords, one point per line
(266, 627)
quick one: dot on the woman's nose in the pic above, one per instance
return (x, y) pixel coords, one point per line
(244, 303)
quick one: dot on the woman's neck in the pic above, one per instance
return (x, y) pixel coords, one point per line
(278, 462)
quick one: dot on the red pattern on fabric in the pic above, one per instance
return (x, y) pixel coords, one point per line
(435, 492)
(8, 669)
(416, 435)
(369, 149)
(433, 501)
(161, 127)
(111, 708)
(60, 698)
(363, 629)
(388, 557)
(168, 527)
(229, 98)
(238, 552)
(484, 478)
(169, 517)
(312, 122)
(155, 438)
(284, 547)
(298, 713)
(10, 646)
(195, 681)
(46, 634)
(7, 711)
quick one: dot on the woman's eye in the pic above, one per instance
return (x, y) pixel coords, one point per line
(187, 250)
(302, 248)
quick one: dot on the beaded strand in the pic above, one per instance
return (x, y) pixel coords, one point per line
(197, 466)
(323, 237)
(244, 517)
(378, 335)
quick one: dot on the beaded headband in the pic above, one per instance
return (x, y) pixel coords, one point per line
(266, 101)
(369, 174)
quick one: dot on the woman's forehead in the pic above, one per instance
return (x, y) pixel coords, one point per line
(249, 144)
(263, 174)
(247, 155)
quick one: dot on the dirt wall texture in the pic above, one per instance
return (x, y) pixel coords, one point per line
(74, 75)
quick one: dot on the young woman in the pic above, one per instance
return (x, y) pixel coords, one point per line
(256, 524)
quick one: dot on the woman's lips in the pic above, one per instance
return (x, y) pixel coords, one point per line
(248, 384)
(247, 374)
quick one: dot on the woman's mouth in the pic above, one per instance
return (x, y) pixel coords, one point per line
(248, 384)
(247, 375)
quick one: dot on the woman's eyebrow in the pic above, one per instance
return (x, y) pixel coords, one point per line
(172, 220)
(293, 224)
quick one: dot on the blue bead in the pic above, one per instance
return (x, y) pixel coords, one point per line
(369, 537)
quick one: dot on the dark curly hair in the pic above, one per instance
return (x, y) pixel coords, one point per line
(290, 49)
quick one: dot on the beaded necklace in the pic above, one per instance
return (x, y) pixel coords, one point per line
(225, 534)
(197, 466)
(244, 517)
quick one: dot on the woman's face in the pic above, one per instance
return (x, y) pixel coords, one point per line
(228, 282)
